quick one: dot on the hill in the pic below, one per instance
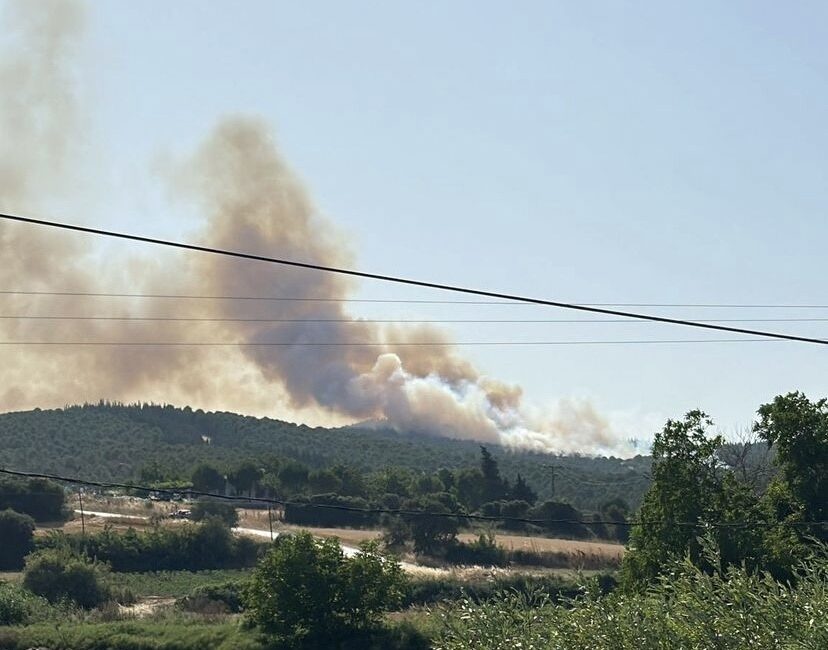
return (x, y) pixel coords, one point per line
(115, 442)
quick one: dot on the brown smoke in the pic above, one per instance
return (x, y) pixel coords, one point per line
(40, 123)
(252, 202)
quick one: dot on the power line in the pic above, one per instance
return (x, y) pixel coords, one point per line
(409, 281)
(402, 512)
(392, 344)
(211, 319)
(97, 294)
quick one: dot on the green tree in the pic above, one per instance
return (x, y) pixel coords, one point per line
(798, 429)
(494, 487)
(431, 532)
(293, 476)
(521, 491)
(16, 539)
(324, 481)
(206, 478)
(223, 511)
(684, 491)
(306, 591)
(246, 476)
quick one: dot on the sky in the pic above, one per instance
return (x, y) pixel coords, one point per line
(613, 152)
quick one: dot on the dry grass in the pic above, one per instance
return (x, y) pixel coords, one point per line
(553, 545)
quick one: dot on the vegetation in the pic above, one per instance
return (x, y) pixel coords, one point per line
(175, 584)
(693, 490)
(305, 591)
(223, 511)
(685, 607)
(16, 539)
(40, 499)
(163, 445)
(16, 604)
(57, 576)
(188, 547)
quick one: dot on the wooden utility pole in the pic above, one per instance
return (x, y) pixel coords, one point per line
(80, 501)
(270, 521)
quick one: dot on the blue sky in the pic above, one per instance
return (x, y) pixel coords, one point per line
(588, 152)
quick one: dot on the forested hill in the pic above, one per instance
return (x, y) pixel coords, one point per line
(117, 442)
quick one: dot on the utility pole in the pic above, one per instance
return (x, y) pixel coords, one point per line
(83, 522)
(270, 521)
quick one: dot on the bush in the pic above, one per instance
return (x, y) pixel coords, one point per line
(16, 534)
(189, 547)
(483, 551)
(215, 599)
(40, 499)
(58, 575)
(306, 511)
(224, 512)
(16, 604)
(306, 591)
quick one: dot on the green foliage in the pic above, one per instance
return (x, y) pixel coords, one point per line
(483, 551)
(686, 489)
(165, 444)
(559, 518)
(478, 589)
(306, 591)
(305, 511)
(16, 604)
(190, 547)
(431, 533)
(798, 429)
(57, 575)
(176, 634)
(16, 535)
(40, 499)
(685, 608)
(206, 478)
(224, 511)
(175, 584)
(224, 598)
(246, 476)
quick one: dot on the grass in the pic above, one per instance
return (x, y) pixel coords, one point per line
(685, 608)
(173, 584)
(175, 634)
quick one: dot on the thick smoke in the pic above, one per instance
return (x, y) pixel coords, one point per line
(41, 122)
(252, 202)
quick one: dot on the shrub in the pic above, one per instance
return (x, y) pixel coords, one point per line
(482, 551)
(16, 534)
(306, 590)
(209, 599)
(224, 512)
(190, 547)
(38, 498)
(58, 575)
(16, 604)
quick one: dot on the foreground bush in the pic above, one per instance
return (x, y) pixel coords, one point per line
(305, 591)
(685, 608)
(16, 604)
(58, 575)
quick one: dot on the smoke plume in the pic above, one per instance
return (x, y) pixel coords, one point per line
(253, 202)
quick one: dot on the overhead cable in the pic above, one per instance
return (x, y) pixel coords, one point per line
(409, 281)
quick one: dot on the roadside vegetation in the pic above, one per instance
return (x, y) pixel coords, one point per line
(719, 556)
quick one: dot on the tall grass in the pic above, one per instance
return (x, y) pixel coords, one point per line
(686, 608)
